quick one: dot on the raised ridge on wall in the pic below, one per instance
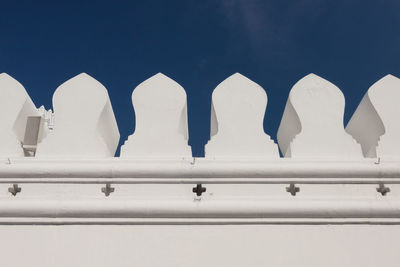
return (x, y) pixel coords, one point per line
(329, 174)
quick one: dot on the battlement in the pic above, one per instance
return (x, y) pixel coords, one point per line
(311, 127)
(334, 194)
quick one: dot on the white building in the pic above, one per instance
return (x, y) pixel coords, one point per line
(332, 200)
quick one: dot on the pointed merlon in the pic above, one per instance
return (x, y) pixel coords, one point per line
(237, 114)
(375, 124)
(85, 126)
(15, 107)
(312, 123)
(161, 121)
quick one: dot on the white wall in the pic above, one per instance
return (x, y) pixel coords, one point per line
(201, 245)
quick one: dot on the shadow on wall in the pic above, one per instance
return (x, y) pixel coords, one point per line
(311, 126)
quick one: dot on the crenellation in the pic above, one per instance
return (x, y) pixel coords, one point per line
(83, 124)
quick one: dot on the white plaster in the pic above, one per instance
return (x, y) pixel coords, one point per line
(206, 170)
(237, 114)
(85, 126)
(15, 107)
(161, 121)
(246, 217)
(93, 206)
(60, 191)
(312, 123)
(375, 124)
(200, 245)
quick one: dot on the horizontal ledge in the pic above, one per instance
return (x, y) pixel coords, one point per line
(194, 221)
(238, 180)
(207, 209)
(198, 168)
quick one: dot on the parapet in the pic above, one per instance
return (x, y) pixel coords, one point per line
(241, 205)
(312, 123)
(161, 121)
(375, 123)
(15, 108)
(237, 114)
(85, 126)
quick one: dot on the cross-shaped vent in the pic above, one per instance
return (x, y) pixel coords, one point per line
(199, 189)
(292, 189)
(107, 190)
(14, 190)
(383, 189)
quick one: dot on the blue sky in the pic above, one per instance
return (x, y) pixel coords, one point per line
(199, 44)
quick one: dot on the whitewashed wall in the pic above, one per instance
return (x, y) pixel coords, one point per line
(311, 128)
(333, 199)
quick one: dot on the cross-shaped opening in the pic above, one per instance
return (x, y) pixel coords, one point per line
(383, 189)
(292, 189)
(107, 190)
(199, 189)
(14, 190)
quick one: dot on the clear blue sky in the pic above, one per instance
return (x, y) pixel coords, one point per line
(199, 44)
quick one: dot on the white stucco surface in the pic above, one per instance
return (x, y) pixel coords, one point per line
(237, 115)
(375, 123)
(15, 107)
(161, 121)
(201, 245)
(312, 123)
(323, 204)
(85, 126)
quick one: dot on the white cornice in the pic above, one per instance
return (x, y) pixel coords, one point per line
(160, 192)
(197, 168)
